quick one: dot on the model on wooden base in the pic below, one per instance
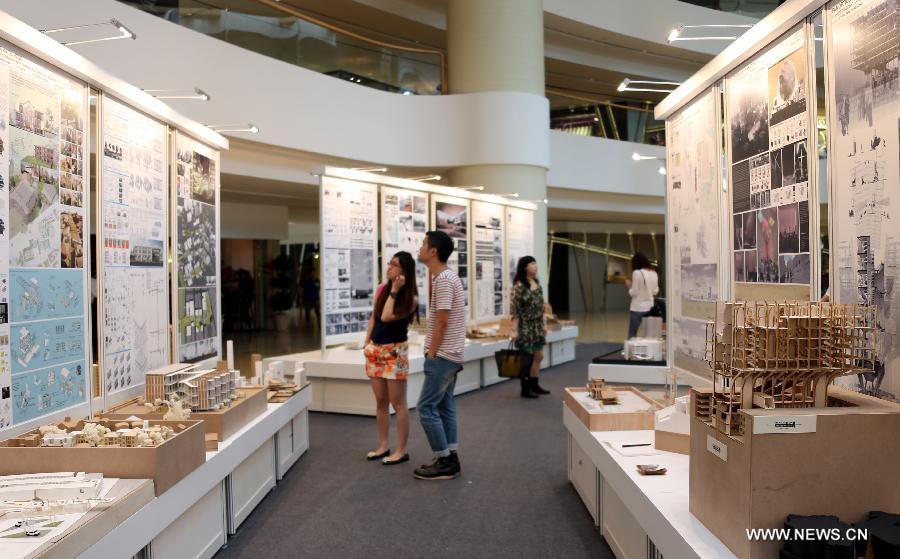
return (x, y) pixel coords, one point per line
(201, 390)
(781, 355)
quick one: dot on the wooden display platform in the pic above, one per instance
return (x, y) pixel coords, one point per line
(165, 464)
(837, 460)
(635, 410)
(129, 496)
(223, 423)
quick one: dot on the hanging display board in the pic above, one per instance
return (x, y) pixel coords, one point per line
(489, 242)
(349, 243)
(196, 236)
(519, 239)
(768, 121)
(451, 215)
(404, 221)
(864, 134)
(44, 335)
(693, 186)
(133, 244)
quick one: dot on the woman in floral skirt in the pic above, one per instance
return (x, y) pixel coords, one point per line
(387, 354)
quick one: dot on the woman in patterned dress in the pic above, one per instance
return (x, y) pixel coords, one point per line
(528, 321)
(387, 354)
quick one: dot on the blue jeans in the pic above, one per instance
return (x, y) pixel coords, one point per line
(437, 407)
(634, 322)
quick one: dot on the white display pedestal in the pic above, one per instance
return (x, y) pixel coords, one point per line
(291, 442)
(629, 374)
(640, 516)
(340, 385)
(250, 482)
(189, 519)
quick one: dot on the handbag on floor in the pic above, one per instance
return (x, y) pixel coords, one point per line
(512, 362)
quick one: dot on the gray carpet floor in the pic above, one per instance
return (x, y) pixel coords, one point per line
(512, 499)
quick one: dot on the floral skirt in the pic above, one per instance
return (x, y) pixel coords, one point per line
(387, 361)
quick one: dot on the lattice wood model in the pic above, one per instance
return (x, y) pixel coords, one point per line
(781, 355)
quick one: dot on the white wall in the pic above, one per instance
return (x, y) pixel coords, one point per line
(305, 110)
(254, 221)
(602, 165)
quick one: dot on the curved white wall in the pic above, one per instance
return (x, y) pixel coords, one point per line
(302, 109)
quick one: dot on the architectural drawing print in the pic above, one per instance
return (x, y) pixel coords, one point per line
(197, 243)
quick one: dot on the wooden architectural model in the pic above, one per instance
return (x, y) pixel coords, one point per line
(202, 390)
(599, 391)
(781, 355)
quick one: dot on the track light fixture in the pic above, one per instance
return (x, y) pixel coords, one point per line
(233, 128)
(638, 157)
(124, 32)
(370, 169)
(469, 187)
(195, 93)
(675, 33)
(426, 178)
(626, 86)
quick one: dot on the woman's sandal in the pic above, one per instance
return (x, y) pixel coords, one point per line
(388, 462)
(373, 456)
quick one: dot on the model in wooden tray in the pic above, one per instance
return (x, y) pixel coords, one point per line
(781, 355)
(77, 434)
(199, 389)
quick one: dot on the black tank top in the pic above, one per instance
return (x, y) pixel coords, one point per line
(392, 332)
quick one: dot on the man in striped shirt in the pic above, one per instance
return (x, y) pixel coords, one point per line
(444, 346)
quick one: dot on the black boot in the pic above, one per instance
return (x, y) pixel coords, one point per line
(536, 388)
(526, 388)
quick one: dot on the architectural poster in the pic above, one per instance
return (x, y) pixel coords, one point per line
(404, 221)
(864, 134)
(693, 176)
(519, 240)
(196, 235)
(768, 125)
(135, 334)
(349, 245)
(43, 208)
(489, 245)
(451, 215)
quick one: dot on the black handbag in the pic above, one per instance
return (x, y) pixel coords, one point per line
(659, 303)
(512, 362)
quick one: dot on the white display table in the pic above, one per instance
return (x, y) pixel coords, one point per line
(640, 516)
(193, 518)
(339, 382)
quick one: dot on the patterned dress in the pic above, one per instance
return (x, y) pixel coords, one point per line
(528, 307)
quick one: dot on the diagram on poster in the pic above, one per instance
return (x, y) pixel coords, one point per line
(865, 168)
(768, 126)
(196, 232)
(451, 215)
(404, 221)
(489, 246)
(519, 238)
(349, 246)
(133, 242)
(693, 227)
(43, 315)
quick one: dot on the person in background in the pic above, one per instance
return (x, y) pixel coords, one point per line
(311, 289)
(387, 354)
(529, 327)
(642, 287)
(445, 342)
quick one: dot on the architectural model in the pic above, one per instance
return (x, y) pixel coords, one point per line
(57, 486)
(82, 434)
(781, 355)
(599, 391)
(202, 390)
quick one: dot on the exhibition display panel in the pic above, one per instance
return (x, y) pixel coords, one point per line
(134, 245)
(767, 117)
(195, 232)
(451, 215)
(490, 284)
(863, 103)
(404, 221)
(349, 225)
(693, 228)
(45, 331)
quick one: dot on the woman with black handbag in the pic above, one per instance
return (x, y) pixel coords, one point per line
(642, 287)
(529, 327)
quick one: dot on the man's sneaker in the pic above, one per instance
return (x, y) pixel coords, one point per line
(454, 457)
(444, 468)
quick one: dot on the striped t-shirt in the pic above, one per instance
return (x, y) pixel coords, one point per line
(447, 295)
